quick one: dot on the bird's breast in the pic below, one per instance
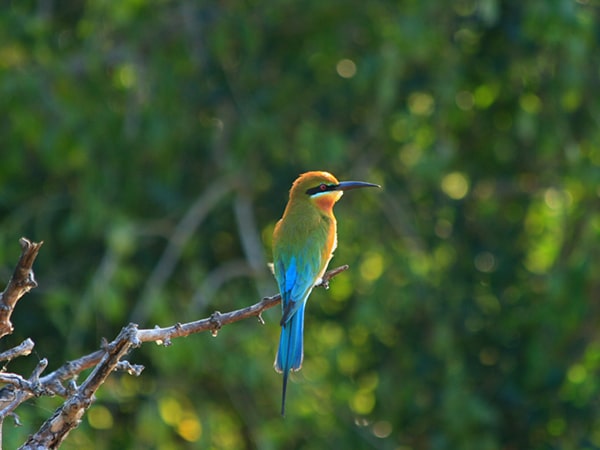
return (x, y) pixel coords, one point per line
(300, 231)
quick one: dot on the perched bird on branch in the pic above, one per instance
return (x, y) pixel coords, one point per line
(303, 243)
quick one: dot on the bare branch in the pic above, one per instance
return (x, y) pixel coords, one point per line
(21, 282)
(131, 369)
(218, 319)
(19, 389)
(14, 380)
(53, 432)
(23, 349)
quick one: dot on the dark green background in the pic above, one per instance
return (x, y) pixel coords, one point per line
(469, 316)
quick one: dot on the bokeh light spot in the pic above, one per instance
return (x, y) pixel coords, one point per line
(485, 95)
(485, 262)
(346, 68)
(372, 266)
(455, 185)
(362, 402)
(126, 76)
(530, 103)
(190, 429)
(410, 155)
(382, 429)
(421, 104)
(170, 410)
(100, 418)
(556, 200)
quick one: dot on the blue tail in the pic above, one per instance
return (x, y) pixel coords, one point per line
(291, 349)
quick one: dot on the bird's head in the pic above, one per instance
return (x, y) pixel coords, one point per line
(322, 189)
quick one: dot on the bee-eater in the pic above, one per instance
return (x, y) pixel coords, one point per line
(303, 243)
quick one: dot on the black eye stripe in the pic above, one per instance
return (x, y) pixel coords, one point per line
(321, 188)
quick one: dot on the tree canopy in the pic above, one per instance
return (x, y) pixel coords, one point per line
(151, 146)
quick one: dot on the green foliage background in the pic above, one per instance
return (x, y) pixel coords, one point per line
(151, 146)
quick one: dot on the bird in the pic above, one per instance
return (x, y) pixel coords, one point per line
(303, 243)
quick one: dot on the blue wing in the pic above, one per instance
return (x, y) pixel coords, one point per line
(296, 278)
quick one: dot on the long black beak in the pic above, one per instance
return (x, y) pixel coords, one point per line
(349, 185)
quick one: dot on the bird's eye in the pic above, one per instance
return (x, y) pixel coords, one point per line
(318, 189)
